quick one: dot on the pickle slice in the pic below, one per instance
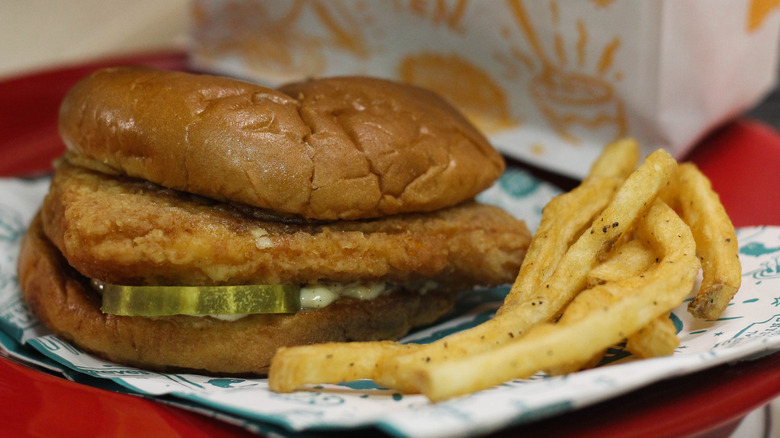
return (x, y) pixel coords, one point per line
(198, 300)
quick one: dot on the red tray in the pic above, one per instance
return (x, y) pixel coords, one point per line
(741, 158)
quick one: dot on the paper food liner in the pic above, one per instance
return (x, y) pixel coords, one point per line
(749, 328)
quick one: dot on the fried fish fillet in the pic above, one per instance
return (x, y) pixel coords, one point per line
(126, 231)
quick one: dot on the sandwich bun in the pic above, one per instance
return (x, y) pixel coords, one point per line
(333, 148)
(179, 179)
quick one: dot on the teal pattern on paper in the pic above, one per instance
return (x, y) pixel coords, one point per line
(518, 183)
(749, 328)
(757, 249)
(11, 225)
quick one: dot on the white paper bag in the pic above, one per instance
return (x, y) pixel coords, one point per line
(550, 81)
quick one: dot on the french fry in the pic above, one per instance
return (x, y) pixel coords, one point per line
(608, 262)
(659, 337)
(570, 277)
(656, 339)
(336, 362)
(626, 260)
(716, 243)
(563, 219)
(602, 316)
(562, 368)
(566, 215)
(617, 160)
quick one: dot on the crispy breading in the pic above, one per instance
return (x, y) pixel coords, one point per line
(131, 232)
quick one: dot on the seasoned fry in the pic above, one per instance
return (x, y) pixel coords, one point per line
(716, 243)
(562, 368)
(570, 277)
(563, 220)
(543, 300)
(609, 261)
(617, 160)
(656, 339)
(627, 260)
(600, 317)
(335, 362)
(566, 215)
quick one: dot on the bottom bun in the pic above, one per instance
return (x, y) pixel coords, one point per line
(64, 302)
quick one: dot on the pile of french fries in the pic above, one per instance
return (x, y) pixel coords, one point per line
(609, 262)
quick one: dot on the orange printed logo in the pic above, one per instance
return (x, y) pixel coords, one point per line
(567, 97)
(758, 11)
(465, 85)
(270, 39)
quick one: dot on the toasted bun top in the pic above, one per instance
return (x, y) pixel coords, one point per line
(336, 148)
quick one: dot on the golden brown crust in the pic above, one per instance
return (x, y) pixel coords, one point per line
(416, 149)
(339, 148)
(63, 301)
(131, 232)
